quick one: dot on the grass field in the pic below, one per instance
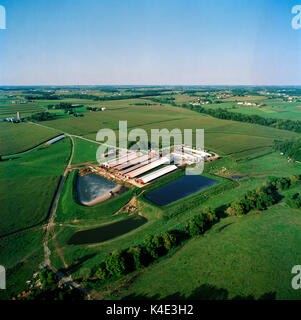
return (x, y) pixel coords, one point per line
(271, 109)
(84, 151)
(18, 137)
(21, 254)
(246, 257)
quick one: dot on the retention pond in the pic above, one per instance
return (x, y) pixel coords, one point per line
(93, 189)
(179, 189)
(107, 232)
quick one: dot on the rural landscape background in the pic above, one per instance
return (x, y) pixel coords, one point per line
(157, 66)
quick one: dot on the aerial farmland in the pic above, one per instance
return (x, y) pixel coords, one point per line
(83, 209)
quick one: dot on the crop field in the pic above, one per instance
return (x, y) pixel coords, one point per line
(27, 186)
(19, 137)
(252, 140)
(10, 110)
(34, 198)
(32, 179)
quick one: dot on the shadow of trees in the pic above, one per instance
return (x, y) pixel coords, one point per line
(204, 292)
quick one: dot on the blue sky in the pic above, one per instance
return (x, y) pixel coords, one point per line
(188, 42)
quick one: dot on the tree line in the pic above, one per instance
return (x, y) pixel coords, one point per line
(63, 106)
(224, 114)
(153, 247)
(41, 116)
(262, 197)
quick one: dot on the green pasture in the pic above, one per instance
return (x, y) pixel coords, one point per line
(84, 151)
(249, 257)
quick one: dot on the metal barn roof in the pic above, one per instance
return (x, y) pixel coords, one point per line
(139, 165)
(148, 167)
(132, 162)
(55, 139)
(123, 159)
(156, 174)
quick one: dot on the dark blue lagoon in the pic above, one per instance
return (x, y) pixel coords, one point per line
(179, 189)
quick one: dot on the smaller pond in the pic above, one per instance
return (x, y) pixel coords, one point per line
(93, 189)
(179, 189)
(237, 177)
(106, 232)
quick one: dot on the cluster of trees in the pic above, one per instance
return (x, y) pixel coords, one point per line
(63, 106)
(141, 94)
(291, 148)
(201, 223)
(121, 262)
(165, 100)
(142, 104)
(93, 109)
(41, 116)
(263, 197)
(294, 200)
(227, 115)
(44, 96)
(258, 199)
(50, 291)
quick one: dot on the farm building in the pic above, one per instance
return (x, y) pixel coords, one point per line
(178, 157)
(139, 165)
(148, 167)
(203, 154)
(52, 141)
(120, 160)
(132, 162)
(158, 173)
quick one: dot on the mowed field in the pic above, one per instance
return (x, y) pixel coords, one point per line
(84, 151)
(19, 137)
(249, 257)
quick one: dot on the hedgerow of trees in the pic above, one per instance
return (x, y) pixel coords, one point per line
(263, 197)
(226, 115)
(121, 262)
